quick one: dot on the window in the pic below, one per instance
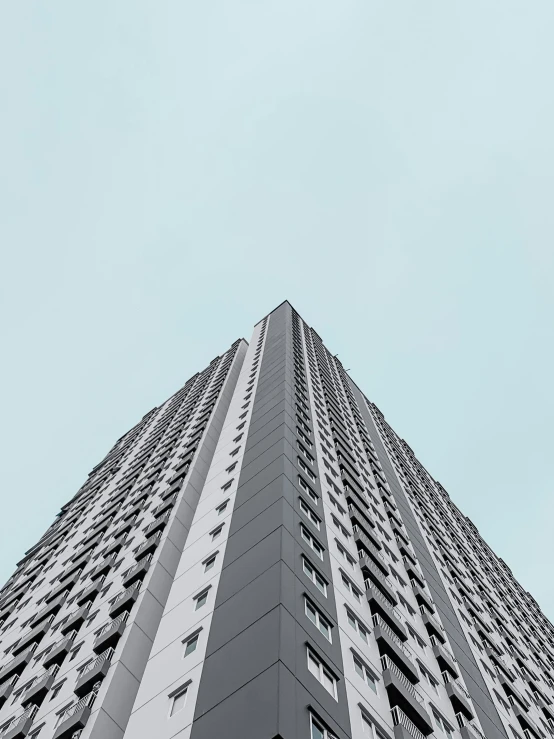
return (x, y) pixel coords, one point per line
(335, 504)
(200, 599)
(227, 485)
(234, 452)
(304, 467)
(358, 626)
(427, 675)
(75, 651)
(369, 728)
(190, 644)
(352, 589)
(178, 700)
(304, 438)
(231, 467)
(222, 507)
(314, 576)
(318, 730)
(351, 561)
(216, 532)
(307, 511)
(416, 637)
(56, 689)
(311, 493)
(305, 452)
(210, 562)
(340, 527)
(322, 673)
(365, 673)
(317, 619)
(91, 618)
(313, 543)
(406, 605)
(442, 724)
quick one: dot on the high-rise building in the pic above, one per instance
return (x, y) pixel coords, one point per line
(262, 557)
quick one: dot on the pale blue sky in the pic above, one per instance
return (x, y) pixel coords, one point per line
(171, 171)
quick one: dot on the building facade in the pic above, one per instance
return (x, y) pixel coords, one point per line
(262, 557)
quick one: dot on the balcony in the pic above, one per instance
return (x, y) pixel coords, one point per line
(403, 727)
(402, 693)
(52, 608)
(445, 659)
(498, 662)
(75, 620)
(529, 727)
(90, 593)
(414, 573)
(459, 697)
(93, 673)
(364, 543)
(422, 598)
(359, 511)
(148, 547)
(157, 525)
(392, 646)
(17, 665)
(513, 694)
(6, 689)
(378, 579)
(103, 568)
(407, 553)
(110, 634)
(123, 530)
(124, 601)
(468, 729)
(65, 585)
(19, 727)
(169, 492)
(60, 651)
(432, 625)
(165, 506)
(75, 717)
(87, 547)
(137, 572)
(36, 692)
(32, 637)
(381, 606)
(115, 546)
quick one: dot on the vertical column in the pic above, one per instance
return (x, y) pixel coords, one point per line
(259, 676)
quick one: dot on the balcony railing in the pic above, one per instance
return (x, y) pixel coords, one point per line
(381, 578)
(470, 726)
(381, 598)
(457, 685)
(388, 664)
(105, 656)
(19, 721)
(112, 624)
(135, 568)
(433, 619)
(41, 679)
(124, 593)
(358, 531)
(157, 523)
(87, 701)
(399, 718)
(378, 621)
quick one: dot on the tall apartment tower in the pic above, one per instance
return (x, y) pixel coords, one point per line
(262, 557)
